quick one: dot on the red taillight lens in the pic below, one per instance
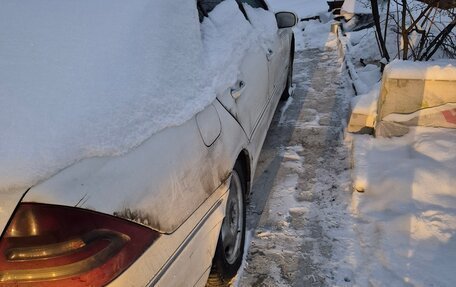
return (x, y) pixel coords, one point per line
(48, 245)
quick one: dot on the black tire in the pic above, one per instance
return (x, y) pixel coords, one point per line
(227, 260)
(286, 91)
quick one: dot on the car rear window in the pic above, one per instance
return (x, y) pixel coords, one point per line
(255, 3)
(208, 5)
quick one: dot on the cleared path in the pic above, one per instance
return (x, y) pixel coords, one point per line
(302, 182)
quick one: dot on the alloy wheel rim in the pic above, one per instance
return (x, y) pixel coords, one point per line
(233, 223)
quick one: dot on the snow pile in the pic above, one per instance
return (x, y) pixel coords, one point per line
(370, 74)
(359, 49)
(368, 79)
(364, 45)
(366, 104)
(407, 215)
(303, 8)
(443, 70)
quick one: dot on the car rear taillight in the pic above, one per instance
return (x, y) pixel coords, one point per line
(48, 245)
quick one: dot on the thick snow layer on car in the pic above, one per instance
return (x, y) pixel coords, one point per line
(85, 79)
(444, 70)
(81, 79)
(227, 35)
(264, 22)
(407, 219)
(304, 8)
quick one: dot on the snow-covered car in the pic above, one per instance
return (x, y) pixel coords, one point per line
(130, 133)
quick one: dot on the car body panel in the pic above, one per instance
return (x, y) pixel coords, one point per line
(257, 140)
(209, 125)
(8, 202)
(279, 61)
(275, 60)
(158, 184)
(250, 105)
(170, 256)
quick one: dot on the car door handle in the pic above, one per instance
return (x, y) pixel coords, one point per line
(237, 91)
(270, 54)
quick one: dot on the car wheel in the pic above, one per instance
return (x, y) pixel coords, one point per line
(286, 92)
(230, 246)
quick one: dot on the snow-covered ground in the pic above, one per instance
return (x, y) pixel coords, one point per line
(405, 219)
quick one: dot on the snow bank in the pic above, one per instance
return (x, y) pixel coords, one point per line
(364, 45)
(366, 103)
(358, 47)
(303, 8)
(407, 215)
(442, 70)
(364, 110)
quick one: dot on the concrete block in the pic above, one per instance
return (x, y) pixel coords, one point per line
(416, 94)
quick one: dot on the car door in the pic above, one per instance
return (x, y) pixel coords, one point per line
(247, 97)
(282, 65)
(275, 48)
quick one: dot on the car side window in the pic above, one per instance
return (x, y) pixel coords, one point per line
(208, 5)
(255, 3)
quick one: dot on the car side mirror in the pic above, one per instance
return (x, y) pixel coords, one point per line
(286, 19)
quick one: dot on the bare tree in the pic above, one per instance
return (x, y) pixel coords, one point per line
(419, 28)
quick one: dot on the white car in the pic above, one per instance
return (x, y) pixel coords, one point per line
(170, 211)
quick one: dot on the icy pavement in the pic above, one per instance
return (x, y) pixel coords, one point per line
(298, 211)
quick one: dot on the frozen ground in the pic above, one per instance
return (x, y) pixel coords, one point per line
(298, 212)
